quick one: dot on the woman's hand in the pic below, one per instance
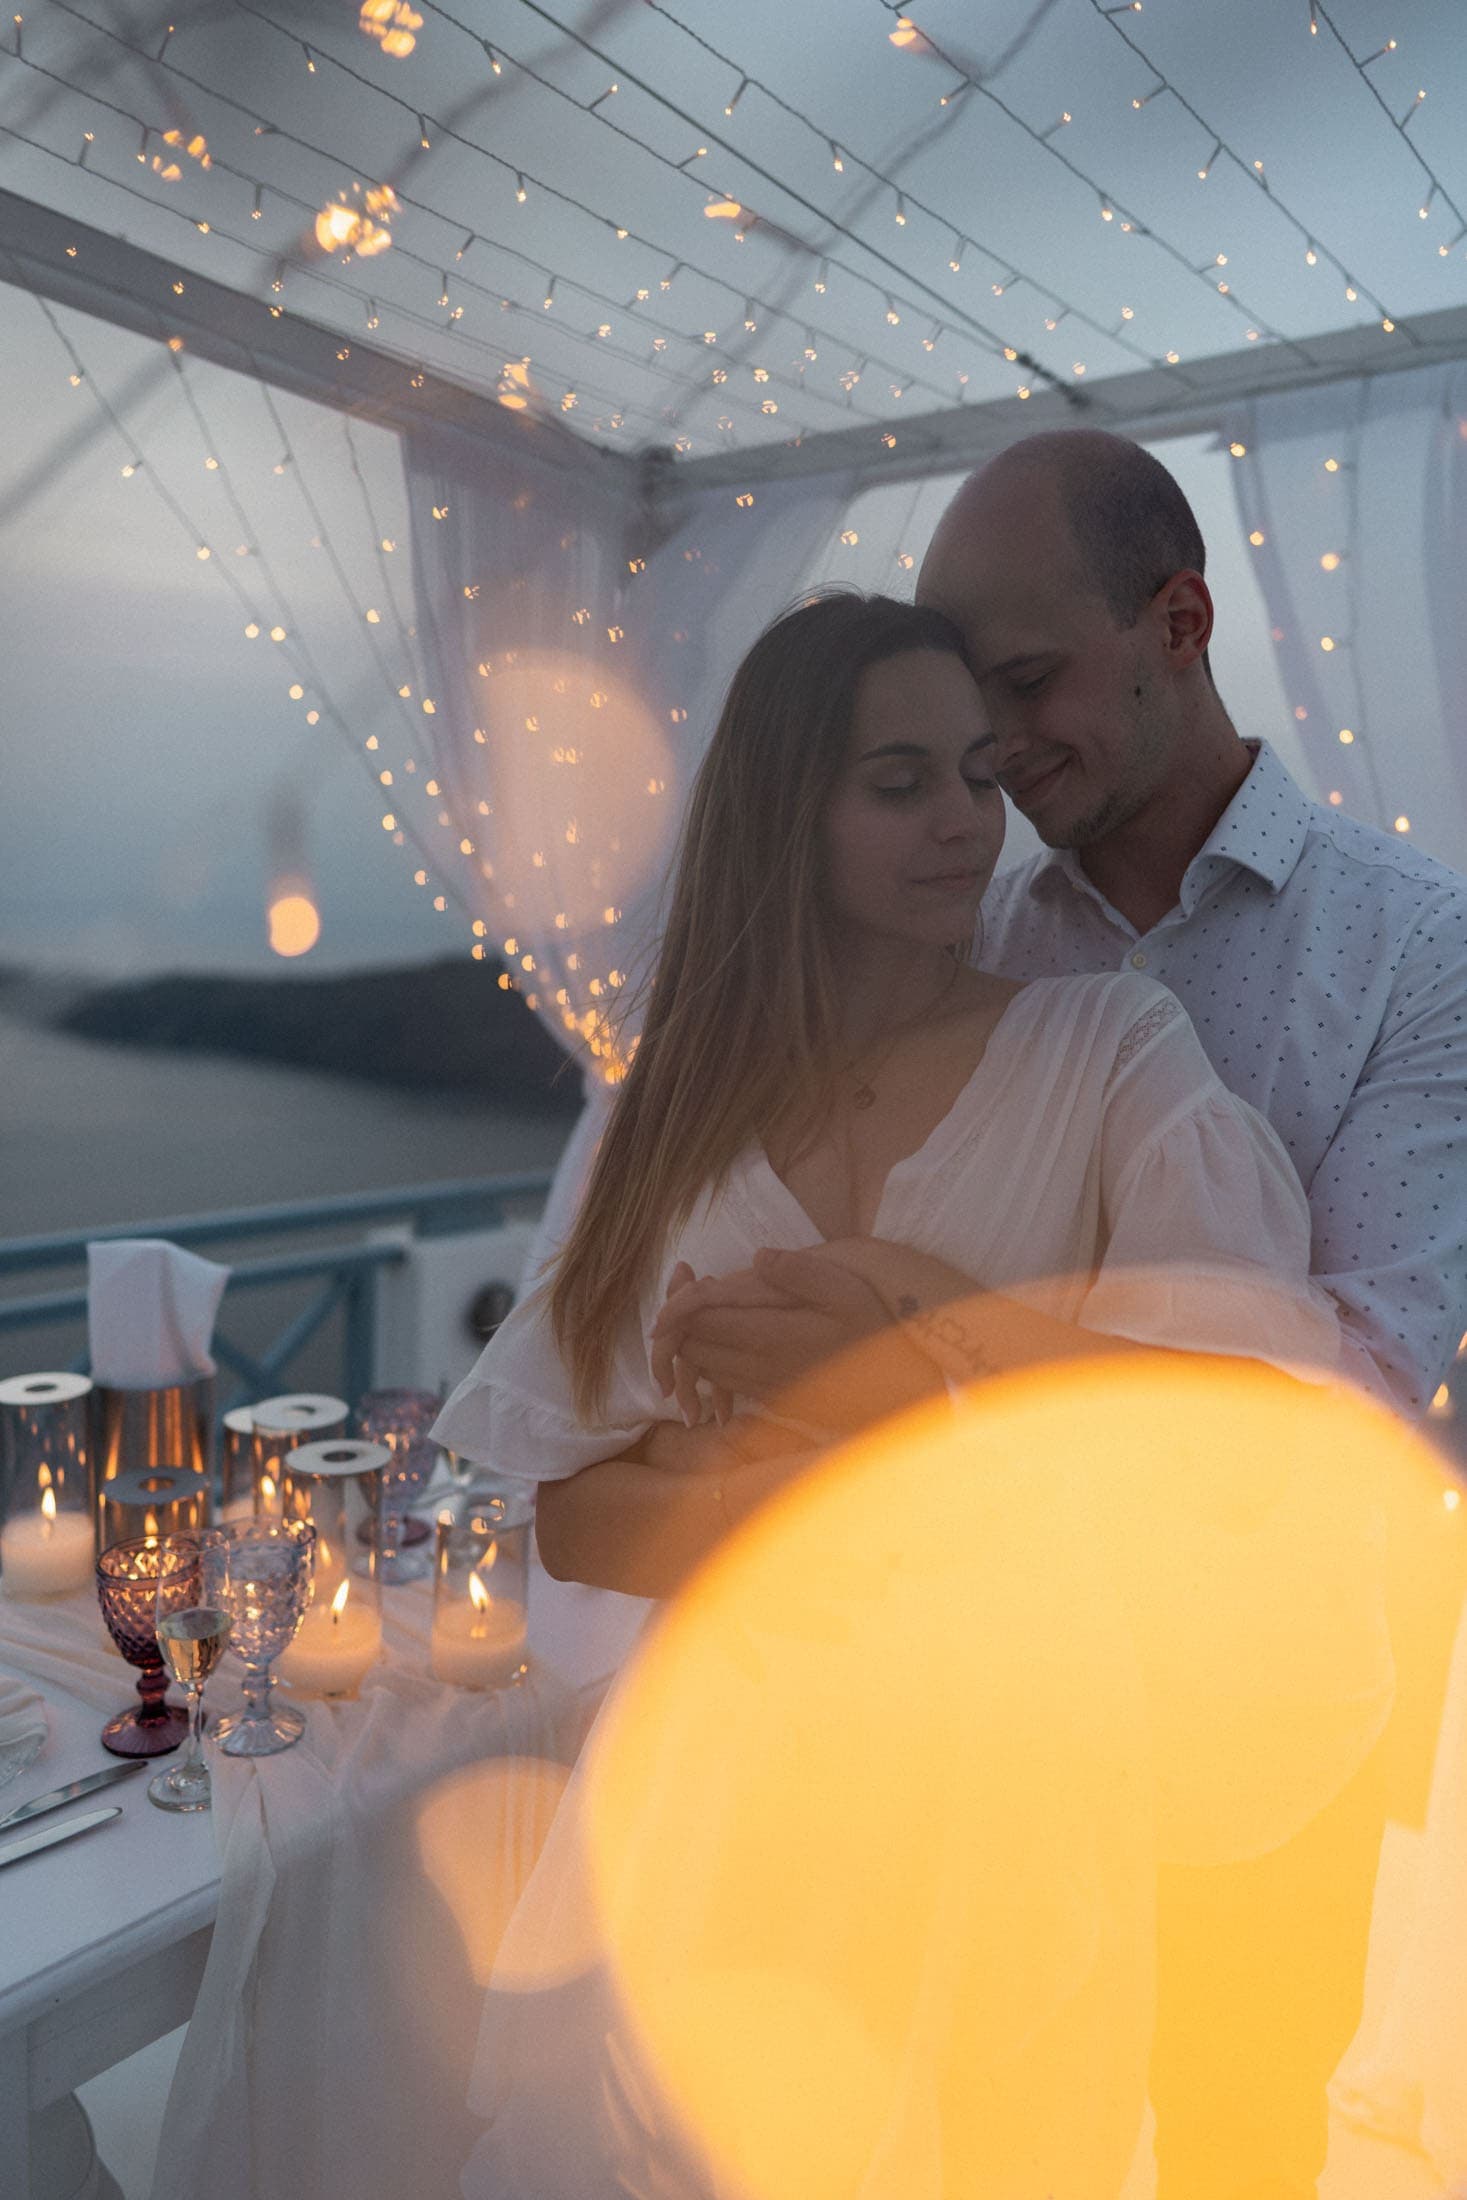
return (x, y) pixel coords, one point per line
(762, 1329)
(675, 1378)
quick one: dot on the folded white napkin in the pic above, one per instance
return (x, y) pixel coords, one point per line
(22, 1728)
(150, 1312)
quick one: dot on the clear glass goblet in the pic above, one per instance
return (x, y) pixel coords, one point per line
(193, 1624)
(267, 1586)
(401, 1419)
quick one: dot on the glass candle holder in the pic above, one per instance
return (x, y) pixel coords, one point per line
(401, 1419)
(280, 1424)
(127, 1589)
(337, 1487)
(167, 1425)
(153, 1501)
(48, 1541)
(237, 1463)
(480, 1594)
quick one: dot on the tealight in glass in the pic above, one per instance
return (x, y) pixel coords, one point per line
(337, 1487)
(48, 1541)
(480, 1594)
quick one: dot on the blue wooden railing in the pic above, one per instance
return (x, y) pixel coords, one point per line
(346, 1274)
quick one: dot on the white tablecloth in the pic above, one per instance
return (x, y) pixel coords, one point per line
(365, 1876)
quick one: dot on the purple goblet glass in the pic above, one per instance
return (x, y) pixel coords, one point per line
(127, 1587)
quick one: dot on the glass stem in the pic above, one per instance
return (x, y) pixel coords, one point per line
(258, 1683)
(193, 1752)
(391, 1531)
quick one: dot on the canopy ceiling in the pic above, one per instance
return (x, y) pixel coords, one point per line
(906, 221)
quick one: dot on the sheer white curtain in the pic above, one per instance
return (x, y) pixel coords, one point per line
(1354, 499)
(577, 638)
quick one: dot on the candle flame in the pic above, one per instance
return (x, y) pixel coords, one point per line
(338, 1602)
(479, 1593)
(267, 1489)
(48, 1505)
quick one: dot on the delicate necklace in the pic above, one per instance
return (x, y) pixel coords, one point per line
(863, 1092)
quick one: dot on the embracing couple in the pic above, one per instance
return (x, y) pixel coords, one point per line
(1192, 1078)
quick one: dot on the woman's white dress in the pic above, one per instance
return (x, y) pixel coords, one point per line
(1094, 1167)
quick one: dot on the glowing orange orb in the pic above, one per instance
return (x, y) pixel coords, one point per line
(880, 1819)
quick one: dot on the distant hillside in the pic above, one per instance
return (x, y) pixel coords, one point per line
(444, 1026)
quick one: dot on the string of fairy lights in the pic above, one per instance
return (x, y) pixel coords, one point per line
(1333, 552)
(908, 379)
(319, 275)
(1253, 171)
(359, 220)
(316, 273)
(282, 624)
(469, 236)
(1436, 191)
(432, 265)
(905, 201)
(1258, 327)
(891, 299)
(949, 317)
(767, 405)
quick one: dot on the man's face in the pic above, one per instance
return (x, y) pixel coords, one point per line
(1079, 705)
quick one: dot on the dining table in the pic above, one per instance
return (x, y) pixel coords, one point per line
(326, 1930)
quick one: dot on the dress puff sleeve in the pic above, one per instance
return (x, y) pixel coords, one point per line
(1205, 1243)
(514, 1411)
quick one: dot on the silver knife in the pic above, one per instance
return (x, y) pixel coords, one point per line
(43, 1840)
(55, 1797)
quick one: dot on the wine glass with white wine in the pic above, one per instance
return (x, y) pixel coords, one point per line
(193, 1627)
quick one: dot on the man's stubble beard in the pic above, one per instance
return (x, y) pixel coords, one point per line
(1147, 752)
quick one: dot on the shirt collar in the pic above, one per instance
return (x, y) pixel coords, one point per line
(1264, 827)
(1263, 830)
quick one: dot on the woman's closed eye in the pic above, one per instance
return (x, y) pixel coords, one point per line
(900, 790)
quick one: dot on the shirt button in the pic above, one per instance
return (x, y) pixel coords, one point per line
(1138, 960)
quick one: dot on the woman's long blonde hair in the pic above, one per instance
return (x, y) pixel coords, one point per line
(741, 1031)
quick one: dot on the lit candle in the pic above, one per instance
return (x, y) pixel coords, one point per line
(336, 1646)
(478, 1641)
(47, 1553)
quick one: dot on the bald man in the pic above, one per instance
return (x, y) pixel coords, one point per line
(1324, 966)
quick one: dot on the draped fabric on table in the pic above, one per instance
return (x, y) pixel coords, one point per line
(1367, 556)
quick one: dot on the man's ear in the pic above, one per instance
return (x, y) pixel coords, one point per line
(1182, 608)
